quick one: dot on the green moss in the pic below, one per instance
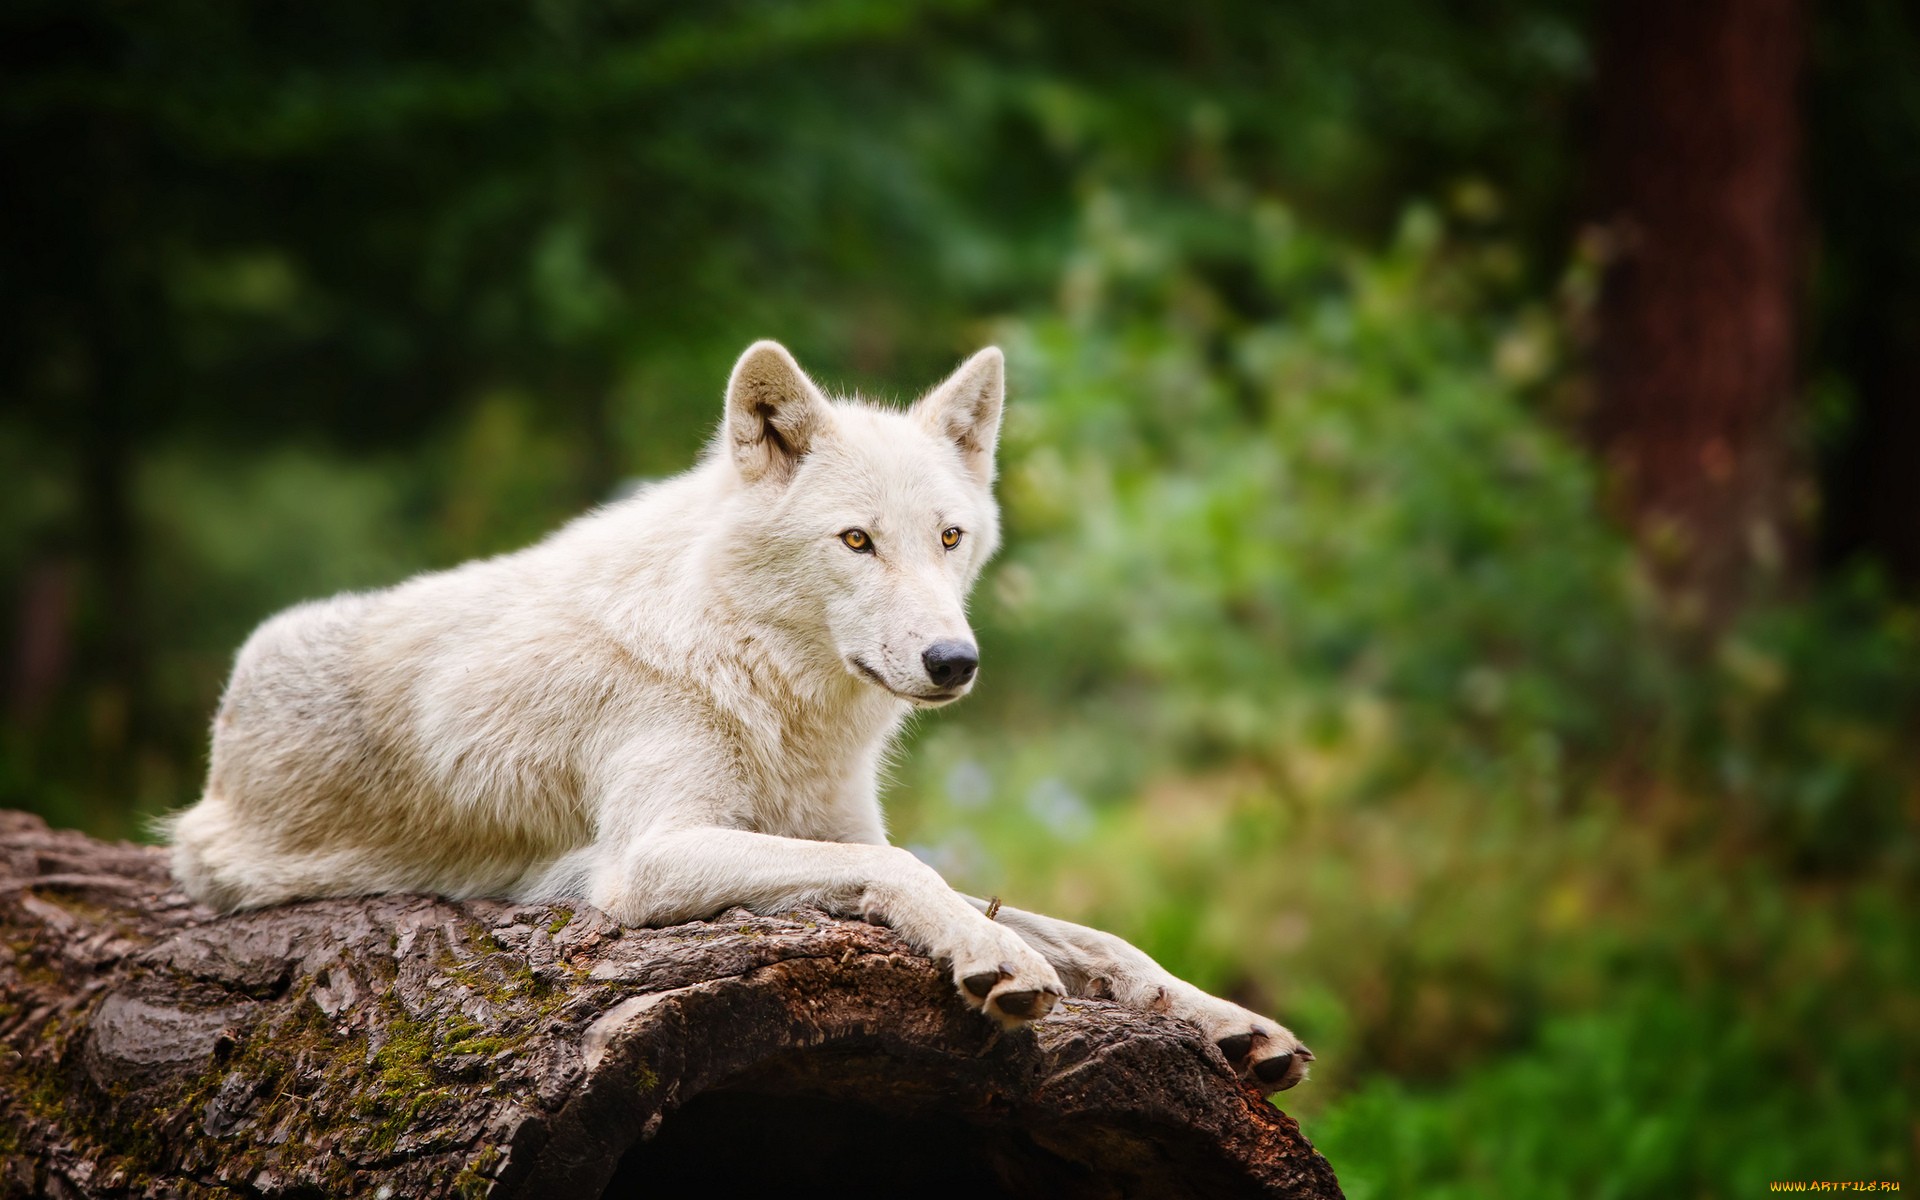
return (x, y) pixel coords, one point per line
(403, 1082)
(92, 914)
(485, 1045)
(476, 1178)
(461, 1035)
(46, 1088)
(562, 918)
(379, 1092)
(35, 970)
(501, 978)
(45, 1095)
(404, 1060)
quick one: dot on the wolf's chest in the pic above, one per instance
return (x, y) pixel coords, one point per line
(801, 775)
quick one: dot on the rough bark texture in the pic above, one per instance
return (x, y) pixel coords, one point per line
(1700, 183)
(409, 1046)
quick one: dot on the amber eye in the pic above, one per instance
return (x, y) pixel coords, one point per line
(858, 541)
(950, 537)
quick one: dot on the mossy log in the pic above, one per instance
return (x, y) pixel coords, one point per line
(408, 1046)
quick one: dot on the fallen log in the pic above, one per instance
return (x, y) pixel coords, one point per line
(408, 1046)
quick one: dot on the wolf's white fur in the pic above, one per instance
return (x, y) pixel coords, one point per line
(675, 704)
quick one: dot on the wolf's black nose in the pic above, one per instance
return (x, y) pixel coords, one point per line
(950, 664)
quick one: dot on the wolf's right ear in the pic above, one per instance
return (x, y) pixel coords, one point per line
(965, 410)
(774, 413)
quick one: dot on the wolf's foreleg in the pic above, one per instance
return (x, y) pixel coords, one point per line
(686, 874)
(1102, 966)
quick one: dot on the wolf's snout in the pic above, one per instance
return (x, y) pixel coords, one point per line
(951, 664)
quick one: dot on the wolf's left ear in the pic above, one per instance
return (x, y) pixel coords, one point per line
(774, 413)
(966, 410)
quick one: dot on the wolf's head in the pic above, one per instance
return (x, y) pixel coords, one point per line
(864, 528)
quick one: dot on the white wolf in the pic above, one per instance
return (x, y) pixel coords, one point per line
(675, 704)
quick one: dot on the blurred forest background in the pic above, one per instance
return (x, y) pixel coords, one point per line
(1463, 524)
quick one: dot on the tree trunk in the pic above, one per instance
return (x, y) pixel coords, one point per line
(409, 1046)
(1699, 178)
(1864, 118)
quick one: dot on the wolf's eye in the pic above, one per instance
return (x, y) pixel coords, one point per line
(858, 541)
(950, 537)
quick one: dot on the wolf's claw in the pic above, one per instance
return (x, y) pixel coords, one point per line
(1273, 1070)
(983, 983)
(1272, 1057)
(1026, 1005)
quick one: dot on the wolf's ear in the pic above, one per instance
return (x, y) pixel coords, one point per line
(966, 410)
(774, 413)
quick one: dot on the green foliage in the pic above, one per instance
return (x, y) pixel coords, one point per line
(1678, 1084)
(1329, 490)
(1317, 669)
(1805, 725)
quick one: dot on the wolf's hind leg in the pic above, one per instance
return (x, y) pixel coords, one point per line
(687, 874)
(226, 861)
(1102, 966)
(206, 840)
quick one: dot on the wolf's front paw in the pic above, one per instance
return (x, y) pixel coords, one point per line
(1007, 980)
(1260, 1050)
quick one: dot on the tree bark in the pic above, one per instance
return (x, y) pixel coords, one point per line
(410, 1046)
(1699, 178)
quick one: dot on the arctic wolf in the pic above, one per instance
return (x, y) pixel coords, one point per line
(673, 705)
